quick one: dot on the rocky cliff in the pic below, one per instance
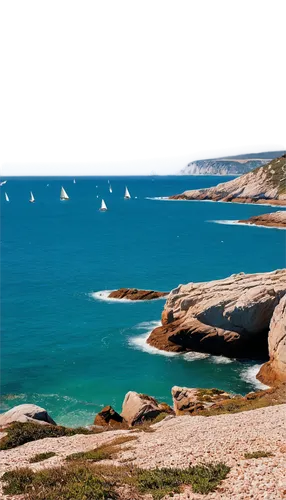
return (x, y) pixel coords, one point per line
(228, 317)
(266, 184)
(274, 219)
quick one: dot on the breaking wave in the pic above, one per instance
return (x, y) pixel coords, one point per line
(221, 360)
(249, 376)
(237, 223)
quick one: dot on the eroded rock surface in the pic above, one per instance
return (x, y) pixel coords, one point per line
(138, 408)
(188, 401)
(274, 371)
(228, 317)
(135, 294)
(265, 184)
(109, 417)
(274, 219)
(26, 413)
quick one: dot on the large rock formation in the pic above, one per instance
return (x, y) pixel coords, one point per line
(109, 417)
(228, 317)
(188, 401)
(274, 219)
(139, 408)
(266, 184)
(26, 413)
(275, 370)
(135, 294)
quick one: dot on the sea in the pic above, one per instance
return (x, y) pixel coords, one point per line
(68, 348)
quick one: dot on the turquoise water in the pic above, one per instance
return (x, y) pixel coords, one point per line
(71, 353)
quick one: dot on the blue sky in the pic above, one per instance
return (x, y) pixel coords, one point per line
(164, 166)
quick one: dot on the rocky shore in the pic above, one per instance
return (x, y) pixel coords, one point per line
(240, 316)
(135, 294)
(274, 219)
(264, 185)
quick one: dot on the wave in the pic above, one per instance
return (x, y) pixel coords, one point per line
(249, 375)
(237, 223)
(140, 342)
(221, 360)
(194, 356)
(103, 295)
(160, 198)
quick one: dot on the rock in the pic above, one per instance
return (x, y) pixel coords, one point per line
(135, 294)
(265, 184)
(188, 401)
(138, 408)
(274, 371)
(227, 317)
(274, 219)
(109, 417)
(26, 413)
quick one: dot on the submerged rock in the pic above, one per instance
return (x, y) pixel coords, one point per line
(26, 413)
(227, 317)
(109, 417)
(188, 401)
(135, 294)
(274, 370)
(139, 408)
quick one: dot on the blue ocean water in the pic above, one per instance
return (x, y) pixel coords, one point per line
(71, 353)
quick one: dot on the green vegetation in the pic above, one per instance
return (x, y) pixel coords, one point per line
(160, 417)
(20, 433)
(104, 452)
(79, 481)
(258, 454)
(42, 456)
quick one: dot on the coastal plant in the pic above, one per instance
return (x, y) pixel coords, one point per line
(104, 452)
(19, 433)
(258, 454)
(39, 457)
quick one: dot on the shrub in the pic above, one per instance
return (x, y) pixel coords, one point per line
(42, 456)
(20, 433)
(104, 452)
(258, 454)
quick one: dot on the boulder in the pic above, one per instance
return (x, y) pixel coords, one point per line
(187, 400)
(274, 371)
(109, 417)
(227, 317)
(135, 294)
(138, 408)
(26, 413)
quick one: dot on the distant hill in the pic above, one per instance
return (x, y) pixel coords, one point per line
(221, 167)
(266, 184)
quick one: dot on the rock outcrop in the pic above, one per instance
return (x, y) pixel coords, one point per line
(274, 219)
(135, 294)
(26, 413)
(266, 184)
(228, 317)
(139, 408)
(188, 401)
(274, 371)
(109, 417)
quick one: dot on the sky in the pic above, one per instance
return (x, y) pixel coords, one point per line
(164, 166)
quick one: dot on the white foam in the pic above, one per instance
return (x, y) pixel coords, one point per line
(221, 360)
(249, 375)
(148, 325)
(160, 198)
(140, 342)
(237, 223)
(104, 296)
(194, 356)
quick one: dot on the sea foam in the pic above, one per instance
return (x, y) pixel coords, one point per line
(221, 360)
(237, 223)
(249, 376)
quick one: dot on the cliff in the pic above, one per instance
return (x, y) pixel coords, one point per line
(228, 317)
(221, 167)
(266, 184)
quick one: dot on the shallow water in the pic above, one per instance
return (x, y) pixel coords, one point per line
(73, 352)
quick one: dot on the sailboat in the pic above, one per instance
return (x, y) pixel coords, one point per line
(32, 199)
(6, 197)
(103, 207)
(74, 181)
(127, 195)
(110, 188)
(63, 195)
(2, 183)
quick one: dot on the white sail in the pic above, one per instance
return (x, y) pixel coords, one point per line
(127, 195)
(110, 188)
(103, 207)
(63, 195)
(32, 199)
(7, 197)
(2, 183)
(74, 181)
